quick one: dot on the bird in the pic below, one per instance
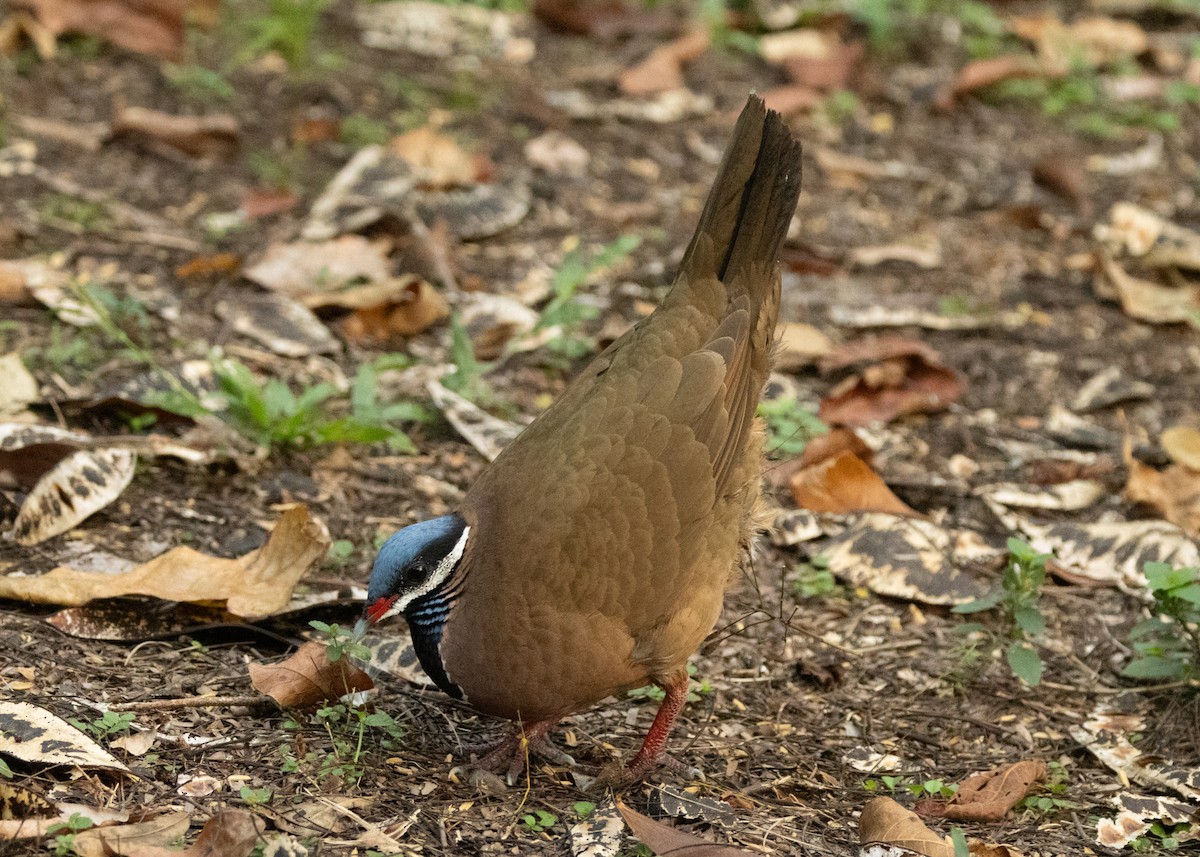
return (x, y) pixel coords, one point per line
(592, 556)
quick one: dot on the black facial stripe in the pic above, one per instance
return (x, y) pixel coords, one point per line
(426, 620)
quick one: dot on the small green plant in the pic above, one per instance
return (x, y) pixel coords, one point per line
(815, 580)
(200, 84)
(85, 215)
(583, 808)
(347, 728)
(286, 27)
(272, 415)
(959, 840)
(358, 130)
(467, 379)
(918, 788)
(107, 725)
(1165, 837)
(1168, 642)
(566, 311)
(654, 693)
(340, 551)
(255, 797)
(340, 642)
(790, 426)
(64, 833)
(1017, 596)
(539, 821)
(1050, 797)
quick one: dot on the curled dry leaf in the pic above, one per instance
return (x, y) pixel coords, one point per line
(987, 796)
(257, 584)
(143, 839)
(909, 558)
(667, 841)
(66, 482)
(1182, 443)
(153, 27)
(662, 70)
(411, 305)
(38, 825)
(885, 822)
(34, 735)
(215, 135)
(488, 434)
(1065, 174)
(902, 377)
(982, 73)
(1174, 492)
(555, 153)
(1156, 241)
(308, 677)
(438, 161)
(791, 99)
(844, 484)
(800, 345)
(1144, 299)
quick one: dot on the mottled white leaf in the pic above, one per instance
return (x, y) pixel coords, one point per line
(34, 735)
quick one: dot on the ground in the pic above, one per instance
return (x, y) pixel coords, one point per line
(791, 682)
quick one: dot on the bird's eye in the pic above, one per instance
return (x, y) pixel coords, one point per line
(415, 574)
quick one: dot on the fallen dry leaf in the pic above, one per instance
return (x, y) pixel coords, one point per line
(800, 345)
(410, 307)
(662, 70)
(263, 202)
(308, 270)
(257, 584)
(844, 484)
(215, 135)
(989, 795)
(982, 73)
(143, 839)
(153, 27)
(1174, 493)
(791, 99)
(17, 387)
(902, 377)
(829, 73)
(37, 826)
(1096, 41)
(22, 24)
(885, 822)
(204, 266)
(1066, 175)
(1182, 443)
(34, 735)
(308, 677)
(1156, 241)
(1144, 299)
(436, 158)
(667, 841)
(229, 833)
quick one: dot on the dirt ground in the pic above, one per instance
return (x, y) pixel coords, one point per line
(792, 683)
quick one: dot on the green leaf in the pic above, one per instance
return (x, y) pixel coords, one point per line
(984, 602)
(959, 839)
(1155, 667)
(1025, 663)
(1030, 620)
(1189, 593)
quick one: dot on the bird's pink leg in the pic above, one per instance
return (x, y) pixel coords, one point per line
(653, 751)
(510, 753)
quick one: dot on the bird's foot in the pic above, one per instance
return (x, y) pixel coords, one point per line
(512, 753)
(614, 775)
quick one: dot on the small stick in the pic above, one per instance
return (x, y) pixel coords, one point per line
(188, 702)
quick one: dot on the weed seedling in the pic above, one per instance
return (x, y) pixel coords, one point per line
(815, 580)
(108, 725)
(583, 808)
(340, 643)
(790, 426)
(1051, 796)
(64, 833)
(287, 27)
(1017, 597)
(1168, 642)
(255, 797)
(539, 821)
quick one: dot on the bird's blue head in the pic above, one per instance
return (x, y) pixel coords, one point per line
(413, 563)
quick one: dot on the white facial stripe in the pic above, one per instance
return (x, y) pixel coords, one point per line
(436, 579)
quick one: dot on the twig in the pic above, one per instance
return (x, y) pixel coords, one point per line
(188, 702)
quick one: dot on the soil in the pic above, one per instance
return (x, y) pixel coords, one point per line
(782, 704)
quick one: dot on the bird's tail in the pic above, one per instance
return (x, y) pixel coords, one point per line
(751, 203)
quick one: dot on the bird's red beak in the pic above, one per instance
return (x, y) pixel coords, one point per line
(379, 607)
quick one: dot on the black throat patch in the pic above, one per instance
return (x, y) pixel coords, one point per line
(426, 619)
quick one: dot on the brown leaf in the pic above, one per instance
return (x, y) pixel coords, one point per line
(308, 677)
(667, 841)
(437, 158)
(263, 202)
(906, 377)
(309, 270)
(153, 27)
(827, 73)
(1065, 175)
(1145, 299)
(215, 135)
(662, 70)
(885, 822)
(257, 584)
(791, 99)
(982, 73)
(229, 833)
(1096, 41)
(800, 345)
(604, 19)
(1182, 443)
(1174, 493)
(413, 307)
(845, 484)
(988, 796)
(204, 266)
(133, 840)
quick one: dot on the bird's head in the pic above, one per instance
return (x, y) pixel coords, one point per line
(412, 563)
